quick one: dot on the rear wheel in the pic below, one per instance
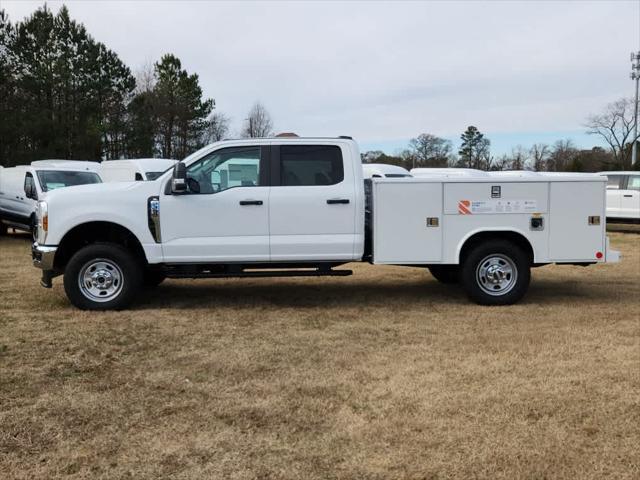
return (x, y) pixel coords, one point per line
(445, 273)
(3, 228)
(102, 277)
(496, 273)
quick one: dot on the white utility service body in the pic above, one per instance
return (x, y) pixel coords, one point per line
(464, 206)
(305, 210)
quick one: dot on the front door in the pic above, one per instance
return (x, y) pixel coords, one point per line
(312, 208)
(630, 199)
(224, 217)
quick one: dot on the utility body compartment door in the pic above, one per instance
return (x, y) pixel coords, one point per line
(402, 212)
(571, 237)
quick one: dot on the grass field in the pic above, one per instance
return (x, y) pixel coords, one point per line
(385, 374)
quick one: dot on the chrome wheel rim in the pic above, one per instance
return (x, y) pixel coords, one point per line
(101, 280)
(496, 274)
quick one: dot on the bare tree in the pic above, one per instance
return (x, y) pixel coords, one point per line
(615, 126)
(501, 163)
(562, 156)
(539, 154)
(519, 158)
(430, 151)
(145, 78)
(217, 128)
(258, 123)
(371, 156)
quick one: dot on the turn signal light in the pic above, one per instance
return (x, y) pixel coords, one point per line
(599, 255)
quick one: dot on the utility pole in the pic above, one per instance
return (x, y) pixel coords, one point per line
(635, 75)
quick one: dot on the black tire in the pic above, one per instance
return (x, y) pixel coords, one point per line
(153, 278)
(3, 228)
(111, 262)
(448, 274)
(502, 256)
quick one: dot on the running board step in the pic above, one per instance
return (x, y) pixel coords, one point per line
(260, 273)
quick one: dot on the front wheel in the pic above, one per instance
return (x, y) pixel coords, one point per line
(102, 277)
(496, 273)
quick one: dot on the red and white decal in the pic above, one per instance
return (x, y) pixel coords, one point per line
(464, 207)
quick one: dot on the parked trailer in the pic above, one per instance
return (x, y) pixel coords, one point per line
(305, 211)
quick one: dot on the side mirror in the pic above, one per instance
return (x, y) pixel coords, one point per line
(179, 179)
(30, 189)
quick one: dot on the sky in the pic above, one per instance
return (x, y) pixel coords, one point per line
(384, 72)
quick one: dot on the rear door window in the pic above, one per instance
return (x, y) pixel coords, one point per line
(633, 183)
(311, 165)
(614, 182)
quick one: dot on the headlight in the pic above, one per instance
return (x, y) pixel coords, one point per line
(42, 215)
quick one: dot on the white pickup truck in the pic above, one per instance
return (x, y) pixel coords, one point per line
(300, 207)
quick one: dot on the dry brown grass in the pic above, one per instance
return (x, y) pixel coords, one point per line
(386, 374)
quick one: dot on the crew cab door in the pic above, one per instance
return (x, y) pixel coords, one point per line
(630, 198)
(224, 215)
(312, 206)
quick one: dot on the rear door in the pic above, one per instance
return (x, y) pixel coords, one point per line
(312, 204)
(630, 198)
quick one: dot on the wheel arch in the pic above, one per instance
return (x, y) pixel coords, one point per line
(94, 232)
(478, 237)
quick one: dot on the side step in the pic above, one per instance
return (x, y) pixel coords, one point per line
(171, 273)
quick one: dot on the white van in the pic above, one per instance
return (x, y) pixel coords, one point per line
(383, 170)
(623, 194)
(132, 170)
(17, 208)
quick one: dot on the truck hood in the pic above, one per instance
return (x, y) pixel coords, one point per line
(99, 191)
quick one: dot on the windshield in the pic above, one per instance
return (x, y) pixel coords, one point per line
(153, 175)
(53, 179)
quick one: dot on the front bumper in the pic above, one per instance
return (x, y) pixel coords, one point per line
(42, 257)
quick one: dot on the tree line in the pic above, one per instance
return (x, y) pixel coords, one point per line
(65, 95)
(614, 126)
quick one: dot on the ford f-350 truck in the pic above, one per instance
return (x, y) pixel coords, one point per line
(300, 207)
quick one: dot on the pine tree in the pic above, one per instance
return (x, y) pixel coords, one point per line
(475, 150)
(179, 109)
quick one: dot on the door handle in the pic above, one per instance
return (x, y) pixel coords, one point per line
(336, 201)
(628, 196)
(250, 202)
